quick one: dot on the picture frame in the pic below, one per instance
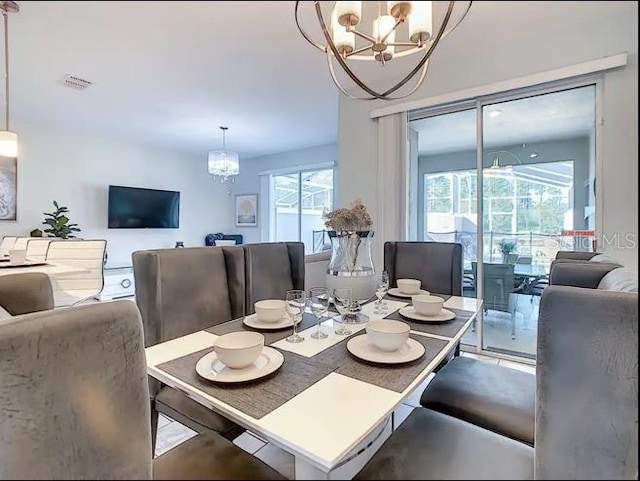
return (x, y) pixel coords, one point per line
(8, 189)
(247, 210)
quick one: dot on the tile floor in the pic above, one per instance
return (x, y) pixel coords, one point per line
(171, 433)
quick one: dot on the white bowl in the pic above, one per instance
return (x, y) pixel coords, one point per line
(427, 305)
(270, 310)
(409, 286)
(238, 349)
(387, 335)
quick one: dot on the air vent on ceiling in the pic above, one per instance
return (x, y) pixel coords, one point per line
(76, 83)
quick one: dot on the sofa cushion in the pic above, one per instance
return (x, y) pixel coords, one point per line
(490, 396)
(431, 445)
(623, 279)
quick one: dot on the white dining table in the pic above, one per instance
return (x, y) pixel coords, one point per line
(334, 426)
(50, 268)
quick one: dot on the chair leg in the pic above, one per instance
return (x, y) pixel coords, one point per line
(154, 428)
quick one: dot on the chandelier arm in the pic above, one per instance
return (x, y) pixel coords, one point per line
(459, 21)
(395, 27)
(427, 54)
(360, 34)
(358, 50)
(353, 97)
(322, 48)
(341, 61)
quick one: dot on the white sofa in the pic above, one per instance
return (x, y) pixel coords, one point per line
(315, 269)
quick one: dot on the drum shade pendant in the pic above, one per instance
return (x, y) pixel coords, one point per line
(8, 139)
(224, 164)
(399, 29)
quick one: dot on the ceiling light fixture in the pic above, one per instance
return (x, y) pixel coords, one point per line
(224, 163)
(8, 139)
(343, 42)
(496, 161)
(495, 113)
(533, 155)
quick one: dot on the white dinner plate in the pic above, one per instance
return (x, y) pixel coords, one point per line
(411, 313)
(210, 368)
(361, 347)
(396, 292)
(252, 321)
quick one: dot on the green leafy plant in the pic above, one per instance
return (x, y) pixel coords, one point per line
(58, 223)
(506, 247)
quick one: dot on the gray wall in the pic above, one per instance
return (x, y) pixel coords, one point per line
(504, 40)
(248, 181)
(571, 149)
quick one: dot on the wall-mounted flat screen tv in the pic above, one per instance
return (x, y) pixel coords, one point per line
(135, 208)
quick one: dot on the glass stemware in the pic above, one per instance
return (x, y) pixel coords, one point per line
(343, 302)
(319, 304)
(296, 301)
(382, 286)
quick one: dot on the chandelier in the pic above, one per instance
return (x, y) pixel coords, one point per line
(224, 164)
(345, 41)
(8, 139)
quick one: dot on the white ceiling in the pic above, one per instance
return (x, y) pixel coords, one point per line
(561, 115)
(168, 74)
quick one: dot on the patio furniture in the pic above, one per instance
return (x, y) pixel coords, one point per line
(90, 419)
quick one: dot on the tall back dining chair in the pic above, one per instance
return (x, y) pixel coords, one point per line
(21, 243)
(37, 249)
(88, 256)
(271, 269)
(90, 417)
(179, 292)
(6, 245)
(437, 264)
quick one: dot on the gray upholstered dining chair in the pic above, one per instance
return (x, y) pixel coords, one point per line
(271, 269)
(179, 292)
(586, 405)
(437, 264)
(25, 293)
(75, 404)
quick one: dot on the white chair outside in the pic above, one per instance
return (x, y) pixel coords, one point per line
(72, 289)
(37, 249)
(7, 244)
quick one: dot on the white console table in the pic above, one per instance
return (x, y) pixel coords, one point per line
(118, 283)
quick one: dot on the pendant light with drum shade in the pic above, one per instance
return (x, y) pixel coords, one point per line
(8, 139)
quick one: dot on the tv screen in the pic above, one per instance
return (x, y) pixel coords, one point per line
(134, 208)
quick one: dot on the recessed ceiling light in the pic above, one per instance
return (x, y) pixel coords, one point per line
(533, 155)
(494, 113)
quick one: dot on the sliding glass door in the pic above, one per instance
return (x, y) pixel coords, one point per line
(536, 170)
(297, 201)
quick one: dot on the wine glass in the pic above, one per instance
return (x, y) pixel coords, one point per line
(342, 301)
(296, 301)
(382, 284)
(384, 287)
(319, 304)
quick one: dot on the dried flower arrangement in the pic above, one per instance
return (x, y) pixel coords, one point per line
(354, 218)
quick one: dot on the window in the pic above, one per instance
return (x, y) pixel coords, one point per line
(297, 201)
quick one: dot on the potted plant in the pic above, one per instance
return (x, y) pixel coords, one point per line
(506, 247)
(58, 224)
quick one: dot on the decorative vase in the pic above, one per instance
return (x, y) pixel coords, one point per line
(351, 267)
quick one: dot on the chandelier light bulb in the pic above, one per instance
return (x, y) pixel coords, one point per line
(346, 40)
